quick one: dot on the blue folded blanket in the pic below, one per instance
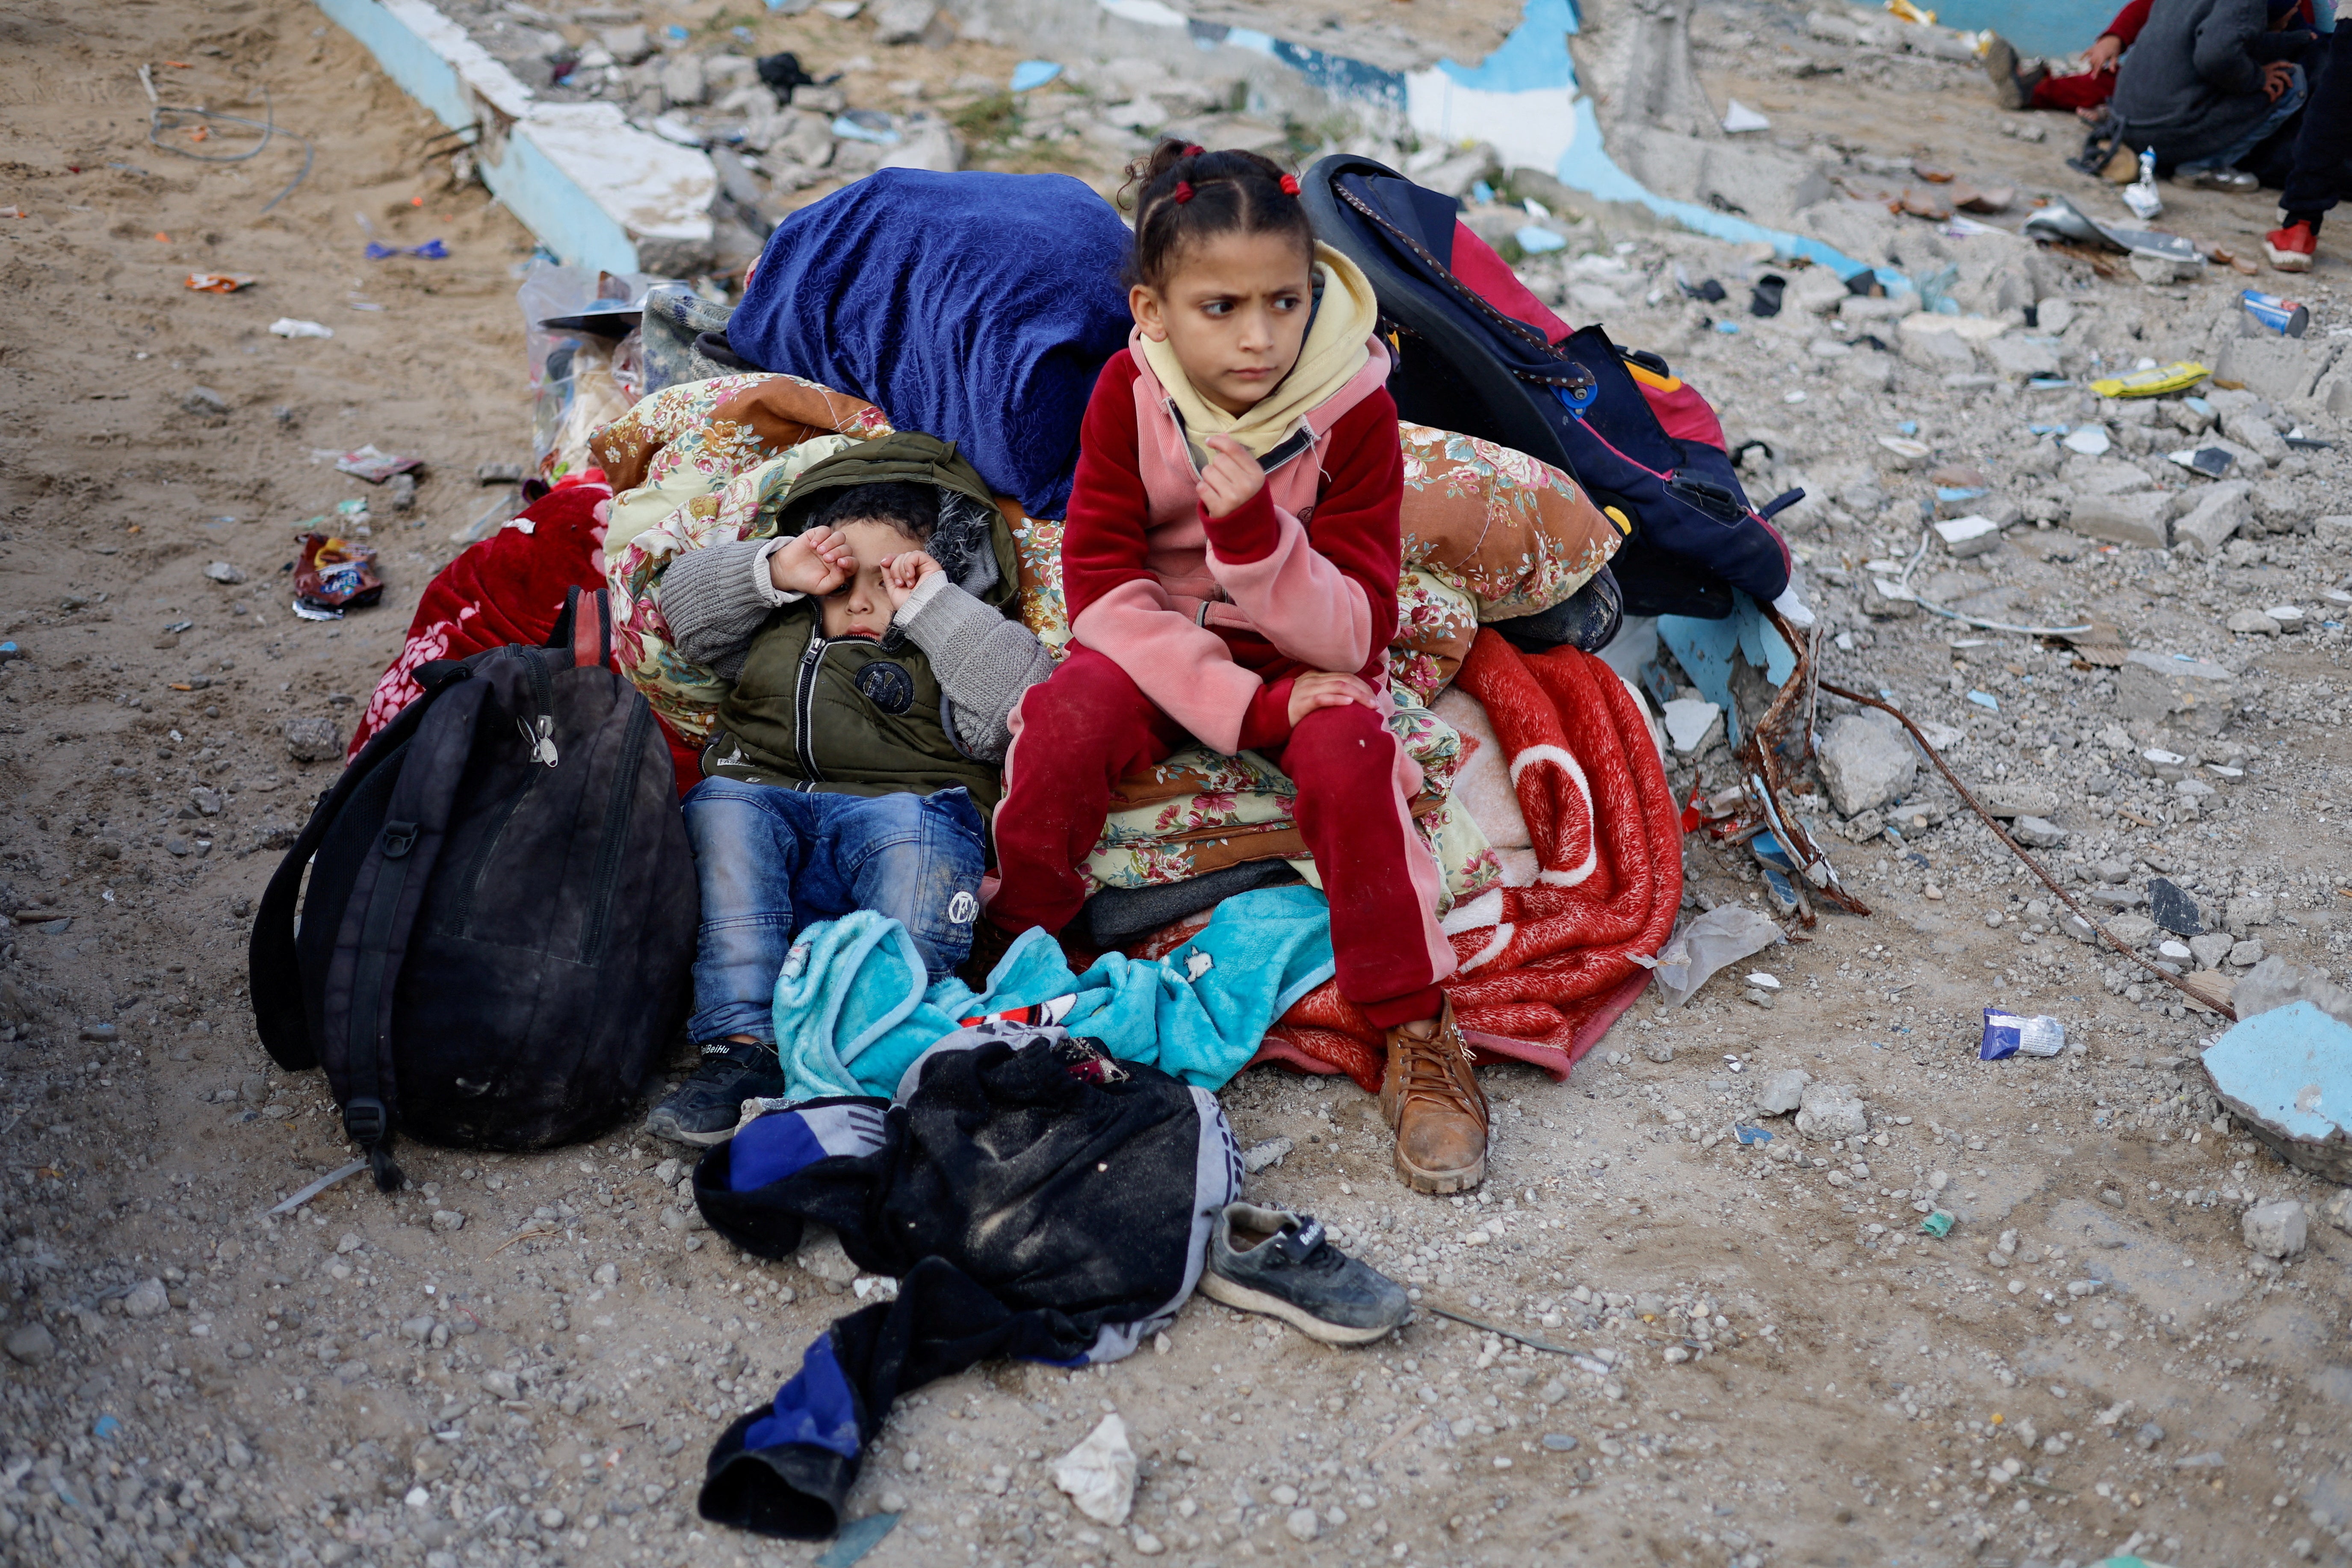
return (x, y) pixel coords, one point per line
(853, 1011)
(976, 308)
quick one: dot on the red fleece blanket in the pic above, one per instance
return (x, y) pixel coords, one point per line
(508, 588)
(1546, 969)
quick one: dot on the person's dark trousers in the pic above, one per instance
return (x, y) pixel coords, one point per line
(2322, 149)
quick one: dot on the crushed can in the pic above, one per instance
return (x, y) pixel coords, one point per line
(2284, 316)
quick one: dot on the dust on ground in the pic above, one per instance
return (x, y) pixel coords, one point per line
(1772, 1363)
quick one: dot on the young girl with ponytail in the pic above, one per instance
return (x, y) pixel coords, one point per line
(1230, 562)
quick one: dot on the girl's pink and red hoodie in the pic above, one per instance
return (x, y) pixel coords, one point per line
(1213, 618)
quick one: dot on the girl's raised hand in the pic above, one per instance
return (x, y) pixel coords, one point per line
(1232, 477)
(902, 572)
(1328, 688)
(816, 562)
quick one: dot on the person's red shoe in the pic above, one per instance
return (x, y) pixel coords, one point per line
(2291, 249)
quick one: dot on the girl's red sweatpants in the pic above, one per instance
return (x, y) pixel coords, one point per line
(1077, 734)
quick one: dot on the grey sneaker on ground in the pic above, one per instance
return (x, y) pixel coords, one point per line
(705, 1109)
(1273, 1261)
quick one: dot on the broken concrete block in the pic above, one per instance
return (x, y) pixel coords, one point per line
(2212, 950)
(1968, 536)
(2278, 368)
(2037, 833)
(2018, 800)
(2247, 911)
(903, 21)
(1831, 1110)
(2254, 433)
(2021, 358)
(2191, 694)
(2217, 511)
(2132, 931)
(2275, 1230)
(1864, 764)
(2252, 623)
(683, 84)
(1784, 1092)
(2143, 518)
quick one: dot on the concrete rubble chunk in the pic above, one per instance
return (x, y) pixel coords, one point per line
(2212, 950)
(1784, 1092)
(2255, 433)
(2018, 800)
(2132, 931)
(2252, 623)
(627, 46)
(2219, 511)
(2037, 833)
(148, 1298)
(2143, 518)
(1863, 765)
(1833, 1110)
(2242, 913)
(2276, 1230)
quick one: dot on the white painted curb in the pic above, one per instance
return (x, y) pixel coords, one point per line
(594, 189)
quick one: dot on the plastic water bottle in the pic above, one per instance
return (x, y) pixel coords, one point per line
(2140, 195)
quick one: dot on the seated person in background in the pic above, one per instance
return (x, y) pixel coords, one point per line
(2208, 82)
(2019, 86)
(851, 765)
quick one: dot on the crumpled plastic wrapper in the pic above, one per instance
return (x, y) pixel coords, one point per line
(1724, 935)
(334, 574)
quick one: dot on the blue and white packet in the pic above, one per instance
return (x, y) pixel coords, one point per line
(2009, 1035)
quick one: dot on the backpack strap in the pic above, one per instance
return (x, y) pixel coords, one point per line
(363, 977)
(585, 628)
(272, 972)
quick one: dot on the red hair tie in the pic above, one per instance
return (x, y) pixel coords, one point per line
(1193, 150)
(1184, 191)
(1289, 185)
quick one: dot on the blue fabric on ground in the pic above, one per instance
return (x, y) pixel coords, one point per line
(815, 1409)
(847, 1022)
(977, 307)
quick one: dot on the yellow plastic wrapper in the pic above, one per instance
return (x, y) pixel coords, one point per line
(2162, 381)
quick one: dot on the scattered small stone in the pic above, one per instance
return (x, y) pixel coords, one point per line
(1262, 1156)
(30, 1344)
(225, 571)
(148, 1298)
(1560, 1442)
(313, 739)
(205, 400)
(1303, 1523)
(1658, 1051)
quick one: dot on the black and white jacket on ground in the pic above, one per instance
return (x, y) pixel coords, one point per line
(1033, 1197)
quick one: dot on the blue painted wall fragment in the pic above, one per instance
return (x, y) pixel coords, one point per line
(1709, 650)
(2292, 1067)
(2058, 28)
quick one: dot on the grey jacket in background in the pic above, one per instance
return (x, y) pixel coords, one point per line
(984, 661)
(2191, 83)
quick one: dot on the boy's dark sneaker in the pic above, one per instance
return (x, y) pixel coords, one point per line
(1280, 1263)
(704, 1110)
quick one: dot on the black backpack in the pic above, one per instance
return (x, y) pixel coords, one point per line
(496, 940)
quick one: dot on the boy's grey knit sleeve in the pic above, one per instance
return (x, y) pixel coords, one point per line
(712, 600)
(984, 661)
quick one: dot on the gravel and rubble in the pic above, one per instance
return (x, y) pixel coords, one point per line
(2131, 1338)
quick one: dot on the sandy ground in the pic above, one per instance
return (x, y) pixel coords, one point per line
(1770, 1363)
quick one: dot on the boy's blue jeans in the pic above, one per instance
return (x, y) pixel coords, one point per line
(770, 860)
